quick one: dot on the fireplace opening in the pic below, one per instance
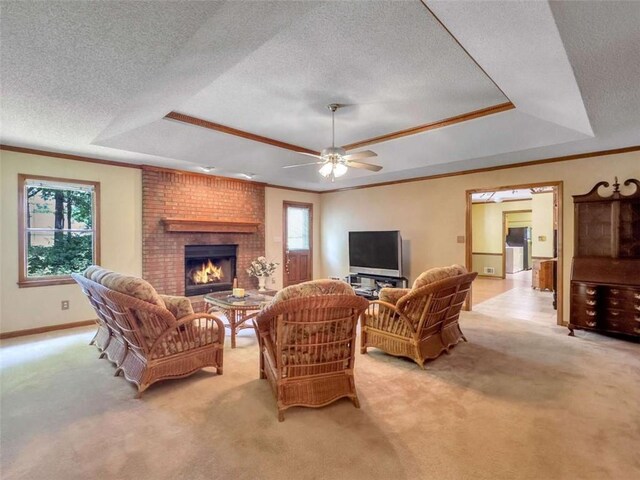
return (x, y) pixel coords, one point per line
(209, 268)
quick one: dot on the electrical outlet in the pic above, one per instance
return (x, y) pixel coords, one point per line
(490, 270)
(65, 305)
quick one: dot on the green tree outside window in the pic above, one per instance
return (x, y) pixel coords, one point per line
(59, 228)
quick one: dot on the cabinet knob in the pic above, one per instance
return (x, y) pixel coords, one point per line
(591, 324)
(591, 313)
(636, 329)
(591, 291)
(591, 302)
(636, 295)
(637, 307)
(615, 291)
(614, 314)
(613, 301)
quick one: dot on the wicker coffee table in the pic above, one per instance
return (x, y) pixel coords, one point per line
(237, 310)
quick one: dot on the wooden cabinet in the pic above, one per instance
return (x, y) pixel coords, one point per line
(605, 275)
(542, 276)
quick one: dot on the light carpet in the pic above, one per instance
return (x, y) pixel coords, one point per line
(521, 400)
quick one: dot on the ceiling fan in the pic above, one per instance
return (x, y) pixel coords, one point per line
(336, 161)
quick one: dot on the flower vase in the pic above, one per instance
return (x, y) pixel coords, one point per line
(262, 284)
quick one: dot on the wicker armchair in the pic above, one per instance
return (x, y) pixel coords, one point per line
(421, 322)
(307, 344)
(139, 333)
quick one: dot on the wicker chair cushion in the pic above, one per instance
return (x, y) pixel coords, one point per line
(392, 295)
(96, 273)
(173, 345)
(91, 270)
(132, 286)
(179, 306)
(312, 288)
(437, 274)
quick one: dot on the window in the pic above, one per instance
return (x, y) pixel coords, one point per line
(297, 227)
(58, 228)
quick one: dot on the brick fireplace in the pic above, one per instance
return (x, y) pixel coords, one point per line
(204, 210)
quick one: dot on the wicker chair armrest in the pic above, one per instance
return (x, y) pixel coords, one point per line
(390, 310)
(190, 328)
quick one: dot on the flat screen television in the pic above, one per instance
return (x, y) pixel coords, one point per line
(376, 253)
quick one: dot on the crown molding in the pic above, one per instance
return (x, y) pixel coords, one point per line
(531, 163)
(465, 117)
(600, 153)
(199, 122)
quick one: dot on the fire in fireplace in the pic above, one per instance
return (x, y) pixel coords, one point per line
(209, 268)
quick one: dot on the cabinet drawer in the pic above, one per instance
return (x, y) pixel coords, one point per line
(584, 317)
(622, 303)
(622, 324)
(584, 301)
(622, 293)
(584, 289)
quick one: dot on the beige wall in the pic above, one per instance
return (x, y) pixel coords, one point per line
(486, 220)
(431, 213)
(518, 219)
(542, 225)
(121, 239)
(487, 223)
(274, 198)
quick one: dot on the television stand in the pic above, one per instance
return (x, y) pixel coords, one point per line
(368, 286)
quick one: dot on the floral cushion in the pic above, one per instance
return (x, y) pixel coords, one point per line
(313, 288)
(132, 286)
(90, 270)
(96, 273)
(437, 274)
(173, 344)
(179, 306)
(392, 295)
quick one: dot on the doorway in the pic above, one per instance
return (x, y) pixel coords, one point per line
(514, 242)
(298, 242)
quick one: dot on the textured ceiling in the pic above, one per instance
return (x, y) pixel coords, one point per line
(401, 69)
(97, 78)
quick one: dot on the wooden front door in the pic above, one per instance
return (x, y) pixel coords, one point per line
(298, 242)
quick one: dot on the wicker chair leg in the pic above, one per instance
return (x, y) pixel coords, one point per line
(219, 370)
(102, 355)
(281, 415)
(117, 372)
(141, 389)
(262, 374)
(356, 402)
(363, 350)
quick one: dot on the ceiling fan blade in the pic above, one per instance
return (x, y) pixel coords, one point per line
(366, 166)
(310, 155)
(302, 164)
(359, 155)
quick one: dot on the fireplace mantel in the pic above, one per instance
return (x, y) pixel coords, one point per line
(209, 226)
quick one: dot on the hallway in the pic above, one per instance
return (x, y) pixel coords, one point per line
(513, 297)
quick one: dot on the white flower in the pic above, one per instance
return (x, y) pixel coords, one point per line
(260, 267)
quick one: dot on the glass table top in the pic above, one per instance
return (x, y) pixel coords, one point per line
(226, 299)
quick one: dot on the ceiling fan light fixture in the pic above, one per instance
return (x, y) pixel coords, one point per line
(339, 169)
(326, 169)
